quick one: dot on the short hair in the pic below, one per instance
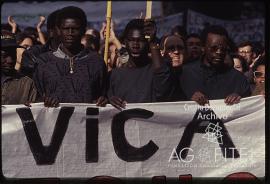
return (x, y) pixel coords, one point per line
(260, 61)
(242, 61)
(165, 37)
(21, 36)
(193, 35)
(133, 24)
(215, 29)
(92, 42)
(95, 33)
(245, 43)
(51, 20)
(74, 13)
(31, 31)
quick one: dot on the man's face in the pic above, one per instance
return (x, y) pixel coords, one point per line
(216, 49)
(194, 48)
(70, 32)
(136, 43)
(8, 59)
(246, 52)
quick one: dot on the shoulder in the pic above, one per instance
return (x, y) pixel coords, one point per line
(26, 79)
(93, 56)
(236, 74)
(120, 71)
(192, 66)
(35, 49)
(43, 58)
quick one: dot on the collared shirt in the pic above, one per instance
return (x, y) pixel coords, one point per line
(214, 84)
(53, 76)
(17, 90)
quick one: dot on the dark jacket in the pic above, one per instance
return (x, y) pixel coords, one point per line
(53, 78)
(141, 84)
(29, 57)
(214, 84)
(17, 90)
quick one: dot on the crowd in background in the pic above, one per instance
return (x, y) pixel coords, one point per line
(65, 64)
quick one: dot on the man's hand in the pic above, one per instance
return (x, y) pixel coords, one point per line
(118, 102)
(101, 101)
(200, 98)
(27, 104)
(150, 30)
(232, 99)
(112, 36)
(51, 102)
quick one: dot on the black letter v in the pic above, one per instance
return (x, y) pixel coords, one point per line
(45, 155)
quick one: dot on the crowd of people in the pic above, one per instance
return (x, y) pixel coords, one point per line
(65, 64)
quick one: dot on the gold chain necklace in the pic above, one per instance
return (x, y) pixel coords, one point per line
(71, 63)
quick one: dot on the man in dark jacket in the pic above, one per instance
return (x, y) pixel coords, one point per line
(142, 78)
(71, 74)
(212, 78)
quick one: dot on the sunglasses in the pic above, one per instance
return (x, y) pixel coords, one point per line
(258, 74)
(244, 52)
(173, 48)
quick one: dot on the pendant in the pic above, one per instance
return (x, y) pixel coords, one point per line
(71, 71)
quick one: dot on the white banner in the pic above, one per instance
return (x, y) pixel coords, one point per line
(239, 30)
(144, 140)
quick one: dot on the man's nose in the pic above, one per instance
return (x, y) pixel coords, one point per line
(70, 31)
(219, 50)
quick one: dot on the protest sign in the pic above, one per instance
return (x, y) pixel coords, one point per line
(239, 30)
(144, 140)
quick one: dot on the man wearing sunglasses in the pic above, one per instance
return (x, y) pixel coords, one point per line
(211, 78)
(173, 50)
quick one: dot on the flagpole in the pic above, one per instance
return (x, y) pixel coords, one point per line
(108, 26)
(148, 14)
